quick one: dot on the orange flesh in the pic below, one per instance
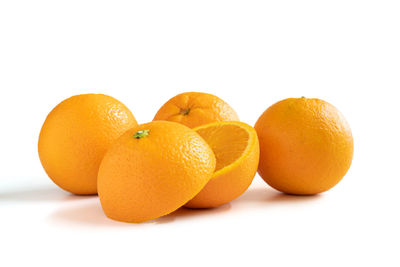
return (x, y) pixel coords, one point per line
(227, 141)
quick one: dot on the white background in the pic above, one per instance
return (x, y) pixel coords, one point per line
(249, 53)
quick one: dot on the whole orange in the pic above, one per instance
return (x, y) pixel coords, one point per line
(75, 136)
(194, 109)
(152, 170)
(237, 151)
(306, 146)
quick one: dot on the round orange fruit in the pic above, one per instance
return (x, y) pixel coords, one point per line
(76, 135)
(236, 148)
(306, 146)
(194, 109)
(152, 170)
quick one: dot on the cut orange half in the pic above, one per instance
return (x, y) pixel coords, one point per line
(236, 148)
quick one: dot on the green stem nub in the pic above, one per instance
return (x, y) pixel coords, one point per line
(185, 111)
(141, 134)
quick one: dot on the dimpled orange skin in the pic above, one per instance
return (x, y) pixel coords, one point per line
(229, 180)
(147, 177)
(306, 146)
(194, 109)
(75, 136)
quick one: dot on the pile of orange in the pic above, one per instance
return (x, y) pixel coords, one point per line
(195, 153)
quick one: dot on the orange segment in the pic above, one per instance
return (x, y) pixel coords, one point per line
(236, 148)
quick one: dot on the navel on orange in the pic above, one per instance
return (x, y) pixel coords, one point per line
(235, 145)
(306, 146)
(194, 109)
(152, 170)
(75, 136)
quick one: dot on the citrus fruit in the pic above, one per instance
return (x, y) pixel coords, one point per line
(75, 136)
(152, 170)
(194, 109)
(236, 148)
(306, 146)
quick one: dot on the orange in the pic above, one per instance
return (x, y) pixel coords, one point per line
(152, 170)
(235, 145)
(194, 109)
(75, 136)
(306, 146)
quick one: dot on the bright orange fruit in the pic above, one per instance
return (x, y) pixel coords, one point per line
(75, 136)
(194, 109)
(152, 170)
(306, 146)
(235, 145)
